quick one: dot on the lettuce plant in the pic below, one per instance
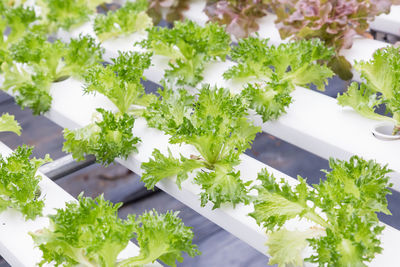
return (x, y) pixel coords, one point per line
(343, 209)
(380, 86)
(89, 233)
(240, 17)
(9, 124)
(126, 20)
(189, 47)
(37, 63)
(19, 183)
(111, 136)
(334, 22)
(215, 124)
(273, 72)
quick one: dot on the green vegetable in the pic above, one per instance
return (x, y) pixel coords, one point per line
(216, 126)
(9, 124)
(38, 63)
(16, 21)
(19, 184)
(343, 207)
(108, 138)
(189, 47)
(163, 237)
(129, 19)
(89, 233)
(121, 80)
(272, 72)
(381, 77)
(67, 14)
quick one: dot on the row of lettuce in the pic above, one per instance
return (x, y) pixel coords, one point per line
(214, 121)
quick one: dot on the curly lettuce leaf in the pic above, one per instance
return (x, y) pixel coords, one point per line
(167, 114)
(81, 54)
(88, 232)
(19, 183)
(65, 14)
(380, 85)
(121, 81)
(215, 124)
(9, 124)
(15, 21)
(189, 47)
(347, 226)
(163, 237)
(273, 72)
(363, 101)
(222, 186)
(268, 99)
(295, 62)
(128, 19)
(38, 63)
(160, 167)
(107, 139)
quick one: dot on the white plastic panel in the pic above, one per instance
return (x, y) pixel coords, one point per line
(16, 245)
(388, 23)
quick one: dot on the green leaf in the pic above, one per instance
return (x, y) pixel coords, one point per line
(9, 124)
(88, 233)
(161, 167)
(285, 248)
(128, 19)
(107, 139)
(189, 47)
(121, 81)
(363, 101)
(347, 226)
(66, 13)
(221, 186)
(163, 237)
(268, 99)
(19, 184)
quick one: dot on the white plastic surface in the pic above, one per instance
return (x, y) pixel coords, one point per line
(16, 245)
(388, 23)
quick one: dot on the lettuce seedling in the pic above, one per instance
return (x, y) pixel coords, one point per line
(120, 81)
(19, 183)
(161, 237)
(189, 47)
(343, 208)
(129, 19)
(380, 86)
(239, 16)
(273, 72)
(215, 124)
(37, 63)
(89, 233)
(336, 23)
(67, 14)
(108, 138)
(15, 21)
(111, 136)
(9, 124)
